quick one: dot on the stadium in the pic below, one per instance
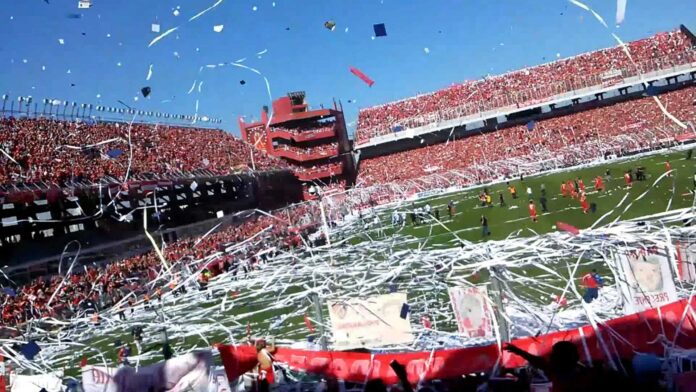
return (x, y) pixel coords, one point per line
(526, 231)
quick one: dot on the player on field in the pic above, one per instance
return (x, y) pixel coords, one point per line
(583, 203)
(668, 167)
(513, 191)
(627, 179)
(532, 211)
(573, 189)
(564, 189)
(598, 184)
(581, 185)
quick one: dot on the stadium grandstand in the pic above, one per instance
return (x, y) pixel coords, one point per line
(661, 55)
(548, 129)
(117, 219)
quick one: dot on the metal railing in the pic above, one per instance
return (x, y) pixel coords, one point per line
(27, 107)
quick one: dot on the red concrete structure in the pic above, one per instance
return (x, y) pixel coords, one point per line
(314, 142)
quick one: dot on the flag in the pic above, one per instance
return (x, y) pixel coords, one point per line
(405, 308)
(83, 362)
(29, 350)
(9, 291)
(114, 153)
(362, 76)
(562, 226)
(308, 323)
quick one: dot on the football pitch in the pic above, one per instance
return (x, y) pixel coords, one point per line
(366, 255)
(669, 193)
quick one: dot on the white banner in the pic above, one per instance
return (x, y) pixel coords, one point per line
(371, 322)
(188, 372)
(686, 257)
(471, 309)
(649, 282)
(98, 379)
(51, 382)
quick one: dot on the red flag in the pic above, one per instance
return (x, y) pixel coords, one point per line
(83, 362)
(362, 76)
(562, 226)
(426, 322)
(308, 323)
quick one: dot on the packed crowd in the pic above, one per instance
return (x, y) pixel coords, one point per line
(60, 151)
(574, 138)
(307, 131)
(126, 282)
(323, 150)
(528, 85)
(333, 167)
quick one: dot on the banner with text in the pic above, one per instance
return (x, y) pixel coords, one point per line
(190, 372)
(649, 282)
(371, 322)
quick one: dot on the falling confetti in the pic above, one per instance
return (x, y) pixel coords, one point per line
(218, 28)
(149, 72)
(426, 50)
(620, 11)
(61, 41)
(362, 76)
(380, 30)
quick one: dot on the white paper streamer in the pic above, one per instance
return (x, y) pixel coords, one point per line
(159, 37)
(620, 11)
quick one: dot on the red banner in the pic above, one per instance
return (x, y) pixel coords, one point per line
(624, 335)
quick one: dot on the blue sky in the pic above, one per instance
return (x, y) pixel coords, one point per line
(467, 39)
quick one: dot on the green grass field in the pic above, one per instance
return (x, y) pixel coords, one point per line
(202, 315)
(514, 217)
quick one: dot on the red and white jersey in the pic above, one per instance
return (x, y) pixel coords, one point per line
(532, 209)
